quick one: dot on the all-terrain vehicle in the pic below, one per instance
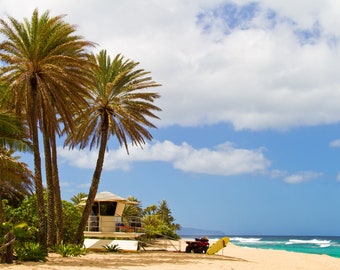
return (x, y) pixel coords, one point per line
(200, 245)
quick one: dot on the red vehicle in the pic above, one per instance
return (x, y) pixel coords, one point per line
(200, 245)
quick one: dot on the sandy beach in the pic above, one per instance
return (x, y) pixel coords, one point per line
(231, 258)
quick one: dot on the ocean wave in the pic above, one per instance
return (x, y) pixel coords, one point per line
(250, 240)
(320, 243)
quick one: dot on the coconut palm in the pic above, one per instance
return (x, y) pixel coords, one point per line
(12, 133)
(78, 199)
(47, 72)
(117, 106)
(16, 180)
(133, 210)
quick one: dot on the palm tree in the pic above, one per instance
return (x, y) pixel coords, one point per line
(133, 210)
(77, 199)
(117, 106)
(47, 72)
(15, 178)
(12, 133)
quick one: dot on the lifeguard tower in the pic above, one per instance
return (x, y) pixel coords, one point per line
(107, 222)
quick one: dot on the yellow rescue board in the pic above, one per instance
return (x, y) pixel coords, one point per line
(217, 246)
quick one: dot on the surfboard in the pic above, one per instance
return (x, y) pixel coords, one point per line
(217, 246)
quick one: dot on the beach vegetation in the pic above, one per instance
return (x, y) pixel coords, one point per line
(31, 251)
(78, 198)
(112, 248)
(21, 231)
(133, 210)
(158, 220)
(22, 221)
(24, 246)
(26, 212)
(71, 219)
(117, 106)
(70, 250)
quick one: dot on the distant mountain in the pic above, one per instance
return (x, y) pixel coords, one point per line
(186, 231)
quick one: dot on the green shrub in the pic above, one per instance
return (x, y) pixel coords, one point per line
(66, 250)
(71, 217)
(31, 252)
(112, 248)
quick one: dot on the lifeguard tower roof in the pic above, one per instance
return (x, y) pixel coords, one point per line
(107, 196)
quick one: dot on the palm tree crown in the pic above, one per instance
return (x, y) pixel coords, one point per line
(13, 133)
(45, 59)
(117, 102)
(16, 180)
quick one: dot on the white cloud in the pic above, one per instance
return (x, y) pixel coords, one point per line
(255, 78)
(301, 177)
(222, 160)
(335, 143)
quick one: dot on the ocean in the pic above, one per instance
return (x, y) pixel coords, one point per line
(329, 245)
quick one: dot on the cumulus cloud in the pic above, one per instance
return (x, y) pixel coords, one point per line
(302, 177)
(254, 64)
(224, 159)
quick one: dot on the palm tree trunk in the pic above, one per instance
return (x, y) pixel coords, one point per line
(57, 194)
(33, 123)
(1, 211)
(40, 194)
(95, 182)
(50, 191)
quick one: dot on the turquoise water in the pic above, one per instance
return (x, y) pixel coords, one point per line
(329, 245)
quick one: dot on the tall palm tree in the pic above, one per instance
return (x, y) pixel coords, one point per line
(47, 72)
(117, 106)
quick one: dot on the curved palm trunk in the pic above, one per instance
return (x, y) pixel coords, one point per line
(57, 195)
(95, 181)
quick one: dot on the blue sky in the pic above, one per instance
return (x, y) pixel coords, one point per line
(249, 136)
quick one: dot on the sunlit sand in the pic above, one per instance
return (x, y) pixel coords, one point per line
(231, 258)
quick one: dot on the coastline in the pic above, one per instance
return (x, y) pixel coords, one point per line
(231, 257)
